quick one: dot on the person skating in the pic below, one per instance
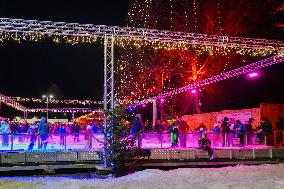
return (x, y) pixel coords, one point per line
(174, 135)
(205, 143)
(43, 131)
(32, 132)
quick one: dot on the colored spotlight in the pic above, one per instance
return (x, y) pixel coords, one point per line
(254, 74)
(194, 91)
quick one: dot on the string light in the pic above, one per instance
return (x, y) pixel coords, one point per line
(10, 102)
(55, 101)
(220, 77)
(65, 110)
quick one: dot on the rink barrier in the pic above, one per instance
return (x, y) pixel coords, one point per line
(156, 154)
(191, 154)
(50, 157)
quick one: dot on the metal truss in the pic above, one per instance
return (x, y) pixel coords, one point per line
(220, 77)
(108, 72)
(89, 30)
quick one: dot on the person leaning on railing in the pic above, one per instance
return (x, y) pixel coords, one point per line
(43, 131)
(5, 129)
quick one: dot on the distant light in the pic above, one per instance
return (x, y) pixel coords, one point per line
(131, 108)
(162, 100)
(254, 74)
(43, 96)
(194, 91)
(51, 96)
(143, 105)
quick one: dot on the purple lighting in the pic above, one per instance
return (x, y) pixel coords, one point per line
(162, 100)
(194, 91)
(254, 74)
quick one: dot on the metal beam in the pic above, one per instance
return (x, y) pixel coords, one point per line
(108, 86)
(49, 28)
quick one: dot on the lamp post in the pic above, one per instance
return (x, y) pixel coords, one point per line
(47, 97)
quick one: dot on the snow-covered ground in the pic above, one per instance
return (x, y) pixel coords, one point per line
(258, 177)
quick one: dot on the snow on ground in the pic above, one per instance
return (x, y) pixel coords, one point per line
(255, 177)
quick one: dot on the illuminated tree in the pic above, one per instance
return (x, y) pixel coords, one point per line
(145, 71)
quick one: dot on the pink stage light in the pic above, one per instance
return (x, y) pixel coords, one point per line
(162, 100)
(194, 91)
(254, 74)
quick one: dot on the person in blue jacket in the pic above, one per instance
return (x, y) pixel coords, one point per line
(43, 131)
(136, 125)
(62, 131)
(32, 130)
(239, 129)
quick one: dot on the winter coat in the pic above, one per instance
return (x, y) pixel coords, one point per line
(216, 130)
(61, 130)
(43, 127)
(239, 129)
(183, 126)
(136, 125)
(5, 128)
(204, 142)
(174, 134)
(225, 127)
(266, 127)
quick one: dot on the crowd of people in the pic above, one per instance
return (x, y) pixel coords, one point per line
(178, 130)
(43, 129)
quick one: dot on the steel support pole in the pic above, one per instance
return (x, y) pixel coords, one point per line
(108, 85)
(154, 112)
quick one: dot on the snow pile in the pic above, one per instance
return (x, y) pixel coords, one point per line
(263, 176)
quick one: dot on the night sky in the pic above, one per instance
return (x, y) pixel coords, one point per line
(29, 69)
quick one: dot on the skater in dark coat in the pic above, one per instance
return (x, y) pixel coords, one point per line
(205, 143)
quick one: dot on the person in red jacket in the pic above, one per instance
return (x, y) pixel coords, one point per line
(183, 129)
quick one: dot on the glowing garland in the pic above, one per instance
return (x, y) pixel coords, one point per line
(55, 101)
(220, 77)
(37, 36)
(66, 110)
(10, 102)
(74, 33)
(199, 48)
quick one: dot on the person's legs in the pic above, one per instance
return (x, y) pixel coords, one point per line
(61, 139)
(224, 139)
(210, 152)
(241, 136)
(44, 141)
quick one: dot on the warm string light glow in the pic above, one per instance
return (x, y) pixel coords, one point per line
(143, 9)
(194, 15)
(200, 49)
(56, 38)
(10, 102)
(220, 77)
(140, 39)
(65, 110)
(55, 101)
